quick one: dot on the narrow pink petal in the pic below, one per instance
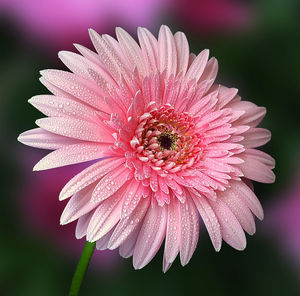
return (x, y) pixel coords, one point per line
(253, 114)
(129, 224)
(108, 56)
(254, 169)
(90, 175)
(248, 196)
(88, 54)
(55, 106)
(72, 154)
(76, 128)
(182, 48)
(132, 196)
(261, 156)
(105, 217)
(239, 209)
(101, 243)
(83, 89)
(57, 91)
(82, 225)
(225, 95)
(43, 139)
(131, 50)
(210, 72)
(256, 137)
(127, 248)
(210, 220)
(110, 183)
(78, 205)
(167, 51)
(231, 230)
(150, 237)
(149, 47)
(197, 67)
(189, 230)
(173, 233)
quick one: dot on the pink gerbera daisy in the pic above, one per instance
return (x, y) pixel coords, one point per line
(170, 146)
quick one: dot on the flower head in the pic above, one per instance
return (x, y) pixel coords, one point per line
(170, 145)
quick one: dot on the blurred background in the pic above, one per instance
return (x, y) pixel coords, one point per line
(257, 44)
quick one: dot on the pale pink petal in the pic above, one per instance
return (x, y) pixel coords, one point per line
(210, 72)
(105, 217)
(225, 95)
(254, 169)
(182, 48)
(197, 67)
(90, 175)
(76, 128)
(149, 47)
(256, 137)
(82, 225)
(83, 89)
(108, 56)
(167, 51)
(131, 50)
(150, 237)
(231, 230)
(239, 209)
(88, 54)
(210, 220)
(127, 248)
(189, 230)
(43, 139)
(72, 154)
(55, 106)
(129, 224)
(110, 183)
(78, 205)
(248, 196)
(173, 233)
(261, 156)
(253, 114)
(102, 243)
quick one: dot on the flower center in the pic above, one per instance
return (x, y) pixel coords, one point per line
(167, 141)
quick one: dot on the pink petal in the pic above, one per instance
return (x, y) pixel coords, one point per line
(197, 67)
(131, 50)
(231, 230)
(149, 49)
(239, 209)
(173, 233)
(101, 243)
(189, 230)
(72, 154)
(83, 89)
(225, 95)
(40, 138)
(253, 114)
(126, 249)
(210, 72)
(79, 205)
(182, 48)
(210, 220)
(254, 169)
(129, 224)
(110, 183)
(76, 128)
(105, 217)
(248, 196)
(89, 176)
(55, 106)
(108, 56)
(261, 156)
(150, 237)
(88, 54)
(167, 55)
(82, 225)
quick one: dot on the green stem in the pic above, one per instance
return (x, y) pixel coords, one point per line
(81, 268)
